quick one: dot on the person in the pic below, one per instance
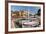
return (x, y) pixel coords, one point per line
(12, 22)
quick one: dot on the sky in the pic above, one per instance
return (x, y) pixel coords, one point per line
(33, 9)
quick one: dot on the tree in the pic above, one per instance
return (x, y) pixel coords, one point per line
(38, 13)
